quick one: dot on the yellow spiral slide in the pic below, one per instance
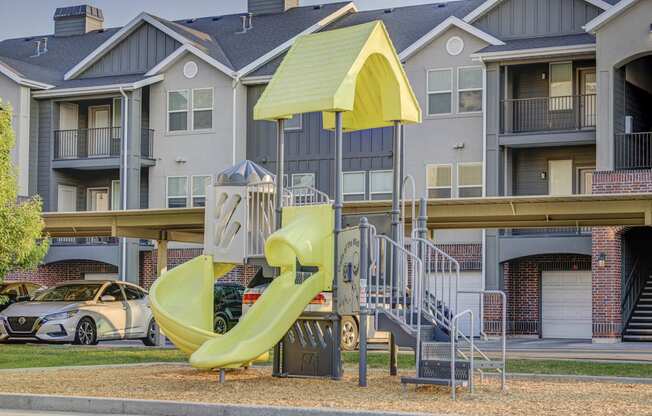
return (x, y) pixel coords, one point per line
(182, 298)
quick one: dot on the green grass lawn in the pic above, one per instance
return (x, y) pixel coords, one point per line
(26, 356)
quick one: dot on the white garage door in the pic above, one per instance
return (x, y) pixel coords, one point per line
(468, 281)
(566, 304)
(101, 276)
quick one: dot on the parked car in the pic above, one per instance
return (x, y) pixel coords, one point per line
(12, 292)
(82, 312)
(228, 306)
(323, 302)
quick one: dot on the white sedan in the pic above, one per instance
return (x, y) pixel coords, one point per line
(82, 312)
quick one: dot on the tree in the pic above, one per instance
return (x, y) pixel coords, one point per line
(21, 226)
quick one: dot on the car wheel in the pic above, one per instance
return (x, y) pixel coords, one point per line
(220, 325)
(349, 333)
(86, 332)
(152, 334)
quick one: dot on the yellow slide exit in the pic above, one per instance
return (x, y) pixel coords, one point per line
(182, 298)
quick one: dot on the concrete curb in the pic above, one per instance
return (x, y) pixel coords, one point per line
(103, 406)
(571, 377)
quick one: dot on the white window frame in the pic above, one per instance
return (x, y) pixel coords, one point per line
(111, 196)
(168, 111)
(167, 189)
(364, 183)
(480, 185)
(371, 172)
(314, 178)
(117, 105)
(193, 109)
(428, 187)
(96, 188)
(192, 188)
(428, 91)
(550, 96)
(459, 90)
(300, 127)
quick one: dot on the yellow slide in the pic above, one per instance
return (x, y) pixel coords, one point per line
(182, 299)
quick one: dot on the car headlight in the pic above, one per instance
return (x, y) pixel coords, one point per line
(60, 316)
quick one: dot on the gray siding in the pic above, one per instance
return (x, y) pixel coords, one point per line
(33, 146)
(526, 18)
(270, 6)
(44, 153)
(527, 165)
(310, 150)
(136, 54)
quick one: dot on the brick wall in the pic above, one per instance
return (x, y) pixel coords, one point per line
(522, 285)
(240, 274)
(607, 280)
(468, 255)
(49, 274)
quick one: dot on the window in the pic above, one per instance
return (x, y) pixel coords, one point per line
(439, 181)
(469, 89)
(380, 182)
(115, 195)
(132, 293)
(178, 110)
(199, 185)
(303, 179)
(440, 91)
(117, 112)
(469, 180)
(585, 179)
(353, 183)
(561, 86)
(202, 109)
(114, 290)
(295, 123)
(177, 191)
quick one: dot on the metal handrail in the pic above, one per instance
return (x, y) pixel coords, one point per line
(571, 112)
(305, 195)
(454, 333)
(261, 216)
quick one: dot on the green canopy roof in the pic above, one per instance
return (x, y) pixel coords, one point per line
(354, 70)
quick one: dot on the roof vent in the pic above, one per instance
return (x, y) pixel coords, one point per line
(77, 20)
(216, 18)
(317, 7)
(441, 5)
(189, 21)
(387, 11)
(41, 47)
(247, 23)
(259, 7)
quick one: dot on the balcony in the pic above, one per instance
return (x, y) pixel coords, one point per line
(95, 146)
(546, 232)
(633, 151)
(548, 114)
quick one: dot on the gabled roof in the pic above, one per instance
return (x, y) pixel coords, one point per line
(443, 27)
(354, 70)
(607, 16)
(488, 5)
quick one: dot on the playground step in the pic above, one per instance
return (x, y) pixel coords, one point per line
(487, 364)
(430, 381)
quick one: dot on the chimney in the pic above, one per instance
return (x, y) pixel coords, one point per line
(258, 7)
(77, 20)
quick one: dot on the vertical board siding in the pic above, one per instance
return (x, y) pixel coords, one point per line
(526, 18)
(311, 149)
(33, 146)
(44, 157)
(138, 53)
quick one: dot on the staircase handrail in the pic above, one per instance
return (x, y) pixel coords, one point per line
(631, 292)
(454, 333)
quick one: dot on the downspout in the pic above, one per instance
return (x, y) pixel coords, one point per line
(484, 170)
(123, 180)
(236, 81)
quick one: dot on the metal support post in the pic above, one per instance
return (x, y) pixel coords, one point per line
(337, 207)
(396, 218)
(364, 277)
(222, 376)
(278, 204)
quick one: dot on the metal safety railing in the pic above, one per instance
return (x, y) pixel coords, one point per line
(633, 150)
(97, 143)
(298, 196)
(526, 115)
(261, 216)
(454, 351)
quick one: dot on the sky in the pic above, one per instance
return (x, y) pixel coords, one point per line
(34, 17)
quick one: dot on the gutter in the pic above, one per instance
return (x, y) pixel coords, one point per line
(123, 180)
(533, 53)
(100, 89)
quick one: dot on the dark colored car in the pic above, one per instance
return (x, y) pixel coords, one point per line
(228, 306)
(12, 292)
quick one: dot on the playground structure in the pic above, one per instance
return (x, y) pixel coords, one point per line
(354, 77)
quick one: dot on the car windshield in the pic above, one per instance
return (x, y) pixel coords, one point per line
(9, 291)
(69, 293)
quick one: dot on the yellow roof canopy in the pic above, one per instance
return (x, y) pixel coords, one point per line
(354, 70)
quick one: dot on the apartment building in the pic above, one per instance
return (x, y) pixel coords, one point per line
(519, 97)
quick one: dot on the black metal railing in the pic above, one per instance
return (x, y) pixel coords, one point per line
(526, 115)
(83, 241)
(546, 232)
(633, 150)
(96, 143)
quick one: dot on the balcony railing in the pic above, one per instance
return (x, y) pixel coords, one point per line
(84, 241)
(528, 115)
(633, 150)
(546, 232)
(96, 143)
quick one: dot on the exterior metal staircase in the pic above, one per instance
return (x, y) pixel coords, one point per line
(414, 294)
(639, 326)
